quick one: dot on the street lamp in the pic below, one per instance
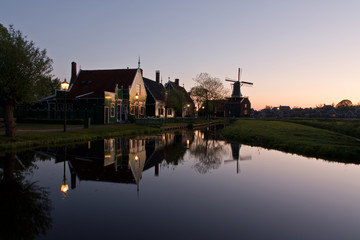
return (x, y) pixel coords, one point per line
(64, 87)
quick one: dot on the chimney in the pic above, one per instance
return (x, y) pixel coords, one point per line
(157, 74)
(177, 81)
(73, 72)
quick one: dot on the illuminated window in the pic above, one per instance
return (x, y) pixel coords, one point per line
(169, 111)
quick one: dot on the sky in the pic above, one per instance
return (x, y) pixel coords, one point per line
(298, 53)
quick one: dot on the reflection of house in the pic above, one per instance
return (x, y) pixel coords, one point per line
(105, 96)
(189, 106)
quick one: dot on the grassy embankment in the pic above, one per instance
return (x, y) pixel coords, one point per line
(32, 139)
(307, 138)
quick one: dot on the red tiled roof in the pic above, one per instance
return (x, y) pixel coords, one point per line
(93, 83)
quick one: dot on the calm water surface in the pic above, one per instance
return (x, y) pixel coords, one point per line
(183, 185)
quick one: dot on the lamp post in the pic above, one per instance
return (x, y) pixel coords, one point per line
(64, 87)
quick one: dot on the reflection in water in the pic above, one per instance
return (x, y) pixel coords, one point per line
(25, 206)
(125, 160)
(208, 152)
(235, 152)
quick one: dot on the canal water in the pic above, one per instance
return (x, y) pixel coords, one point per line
(176, 185)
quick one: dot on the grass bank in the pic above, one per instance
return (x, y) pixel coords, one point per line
(295, 138)
(31, 139)
(347, 127)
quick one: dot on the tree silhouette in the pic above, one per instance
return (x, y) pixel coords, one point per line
(25, 206)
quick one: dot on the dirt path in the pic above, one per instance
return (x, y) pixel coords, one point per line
(43, 130)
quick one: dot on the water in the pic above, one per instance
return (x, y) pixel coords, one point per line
(177, 186)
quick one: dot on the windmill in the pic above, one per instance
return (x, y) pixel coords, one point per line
(235, 150)
(237, 85)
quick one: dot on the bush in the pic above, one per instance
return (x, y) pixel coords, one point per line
(132, 118)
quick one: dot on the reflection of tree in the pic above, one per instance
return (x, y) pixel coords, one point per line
(174, 152)
(25, 206)
(208, 154)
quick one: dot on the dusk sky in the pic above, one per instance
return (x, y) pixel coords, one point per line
(297, 53)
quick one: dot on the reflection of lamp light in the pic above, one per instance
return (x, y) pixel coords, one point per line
(107, 97)
(202, 136)
(187, 143)
(136, 157)
(64, 187)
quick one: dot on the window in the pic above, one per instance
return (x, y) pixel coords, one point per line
(112, 110)
(245, 105)
(60, 107)
(138, 89)
(69, 107)
(142, 110)
(169, 111)
(245, 112)
(52, 106)
(161, 111)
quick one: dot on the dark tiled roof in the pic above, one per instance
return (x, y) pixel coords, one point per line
(93, 83)
(156, 89)
(181, 89)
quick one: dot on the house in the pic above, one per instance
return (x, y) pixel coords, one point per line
(215, 108)
(189, 106)
(105, 96)
(155, 103)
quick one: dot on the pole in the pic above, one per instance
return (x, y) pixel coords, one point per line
(65, 111)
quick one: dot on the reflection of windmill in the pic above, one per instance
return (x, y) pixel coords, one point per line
(235, 150)
(237, 85)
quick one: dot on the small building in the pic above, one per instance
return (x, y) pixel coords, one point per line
(214, 108)
(189, 106)
(155, 103)
(105, 96)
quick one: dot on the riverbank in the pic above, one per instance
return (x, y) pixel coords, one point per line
(36, 136)
(296, 138)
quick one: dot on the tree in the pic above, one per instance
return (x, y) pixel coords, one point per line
(22, 66)
(344, 104)
(46, 86)
(207, 88)
(176, 100)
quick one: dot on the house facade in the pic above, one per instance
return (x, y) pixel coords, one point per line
(189, 106)
(155, 100)
(104, 96)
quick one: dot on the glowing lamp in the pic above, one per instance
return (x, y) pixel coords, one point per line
(188, 105)
(187, 143)
(64, 85)
(136, 97)
(136, 157)
(64, 188)
(203, 107)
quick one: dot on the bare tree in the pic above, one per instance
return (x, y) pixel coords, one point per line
(207, 88)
